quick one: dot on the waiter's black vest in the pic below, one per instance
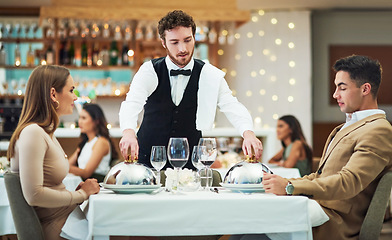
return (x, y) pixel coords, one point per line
(163, 119)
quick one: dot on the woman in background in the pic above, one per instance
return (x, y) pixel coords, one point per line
(36, 154)
(95, 153)
(295, 153)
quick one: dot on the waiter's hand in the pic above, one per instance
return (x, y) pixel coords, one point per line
(274, 184)
(252, 142)
(129, 141)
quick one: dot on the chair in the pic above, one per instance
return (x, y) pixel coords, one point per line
(26, 221)
(372, 224)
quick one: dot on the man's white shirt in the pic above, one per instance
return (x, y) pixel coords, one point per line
(213, 91)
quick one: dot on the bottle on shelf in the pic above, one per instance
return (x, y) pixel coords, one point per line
(113, 54)
(30, 59)
(3, 55)
(17, 55)
(71, 54)
(103, 59)
(64, 55)
(84, 54)
(95, 54)
(78, 57)
(49, 55)
(124, 55)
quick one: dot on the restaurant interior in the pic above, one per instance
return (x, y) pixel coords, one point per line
(277, 56)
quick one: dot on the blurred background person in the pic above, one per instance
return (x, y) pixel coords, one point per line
(36, 154)
(296, 152)
(96, 152)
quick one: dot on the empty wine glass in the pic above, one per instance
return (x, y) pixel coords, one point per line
(207, 157)
(197, 151)
(158, 160)
(178, 153)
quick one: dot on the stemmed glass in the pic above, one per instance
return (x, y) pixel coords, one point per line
(208, 156)
(158, 160)
(178, 153)
(197, 151)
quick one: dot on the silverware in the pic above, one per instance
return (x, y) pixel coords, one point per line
(214, 190)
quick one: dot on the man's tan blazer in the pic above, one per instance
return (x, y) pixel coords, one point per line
(353, 161)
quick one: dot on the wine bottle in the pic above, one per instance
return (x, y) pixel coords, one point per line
(64, 53)
(71, 54)
(49, 55)
(124, 55)
(84, 54)
(3, 55)
(95, 54)
(113, 54)
(30, 57)
(17, 55)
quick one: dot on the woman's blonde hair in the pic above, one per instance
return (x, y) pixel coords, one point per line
(38, 107)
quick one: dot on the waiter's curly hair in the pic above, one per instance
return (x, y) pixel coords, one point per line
(176, 18)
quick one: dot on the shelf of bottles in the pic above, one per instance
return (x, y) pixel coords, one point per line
(114, 50)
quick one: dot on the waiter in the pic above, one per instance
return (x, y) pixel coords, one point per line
(179, 95)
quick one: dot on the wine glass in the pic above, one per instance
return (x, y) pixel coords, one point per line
(158, 160)
(207, 157)
(178, 153)
(197, 151)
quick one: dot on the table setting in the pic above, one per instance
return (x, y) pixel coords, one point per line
(132, 200)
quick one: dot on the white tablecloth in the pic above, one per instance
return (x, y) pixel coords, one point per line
(197, 213)
(6, 221)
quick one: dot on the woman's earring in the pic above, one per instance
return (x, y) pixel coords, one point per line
(58, 105)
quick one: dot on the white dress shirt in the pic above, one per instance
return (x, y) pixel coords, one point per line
(213, 91)
(359, 115)
(178, 83)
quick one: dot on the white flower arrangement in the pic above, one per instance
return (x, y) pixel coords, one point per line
(187, 179)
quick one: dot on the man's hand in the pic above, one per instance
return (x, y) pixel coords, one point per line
(251, 141)
(129, 141)
(274, 184)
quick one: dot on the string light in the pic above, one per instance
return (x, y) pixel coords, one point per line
(255, 19)
(274, 98)
(262, 92)
(248, 93)
(291, 45)
(253, 74)
(274, 21)
(249, 53)
(249, 34)
(292, 64)
(291, 25)
(261, 33)
(262, 72)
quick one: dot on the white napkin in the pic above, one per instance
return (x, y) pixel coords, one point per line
(76, 226)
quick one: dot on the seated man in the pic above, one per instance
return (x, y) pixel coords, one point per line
(355, 155)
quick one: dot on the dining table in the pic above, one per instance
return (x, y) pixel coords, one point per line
(196, 213)
(6, 221)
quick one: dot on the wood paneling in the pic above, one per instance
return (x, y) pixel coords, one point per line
(382, 53)
(321, 132)
(201, 10)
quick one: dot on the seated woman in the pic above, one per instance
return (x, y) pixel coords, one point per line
(36, 154)
(95, 153)
(295, 153)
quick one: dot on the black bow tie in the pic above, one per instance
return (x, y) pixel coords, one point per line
(180, 71)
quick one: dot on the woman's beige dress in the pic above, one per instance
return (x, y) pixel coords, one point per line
(42, 166)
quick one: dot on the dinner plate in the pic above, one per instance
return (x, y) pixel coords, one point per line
(244, 188)
(131, 188)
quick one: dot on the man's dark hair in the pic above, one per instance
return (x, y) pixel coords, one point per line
(362, 69)
(176, 18)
